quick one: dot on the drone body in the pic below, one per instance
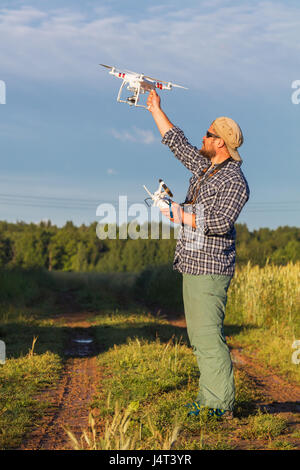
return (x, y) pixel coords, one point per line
(138, 84)
(161, 197)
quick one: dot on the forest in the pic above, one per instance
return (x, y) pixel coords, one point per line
(71, 248)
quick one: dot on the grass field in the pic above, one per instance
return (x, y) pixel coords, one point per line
(34, 361)
(148, 369)
(148, 380)
(265, 304)
(151, 378)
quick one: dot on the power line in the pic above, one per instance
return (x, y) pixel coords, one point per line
(85, 204)
(90, 201)
(271, 210)
(52, 198)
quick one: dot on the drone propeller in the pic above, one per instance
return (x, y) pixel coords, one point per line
(107, 66)
(167, 83)
(179, 86)
(155, 79)
(134, 73)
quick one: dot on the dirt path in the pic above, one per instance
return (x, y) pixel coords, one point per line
(280, 395)
(81, 377)
(70, 400)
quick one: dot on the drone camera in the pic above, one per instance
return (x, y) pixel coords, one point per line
(131, 99)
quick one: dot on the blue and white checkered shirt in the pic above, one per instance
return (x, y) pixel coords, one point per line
(210, 248)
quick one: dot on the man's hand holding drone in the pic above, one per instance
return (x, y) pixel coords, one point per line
(161, 120)
(153, 101)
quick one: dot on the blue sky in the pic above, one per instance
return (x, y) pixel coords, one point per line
(67, 145)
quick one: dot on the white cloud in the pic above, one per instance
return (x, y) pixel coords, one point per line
(245, 43)
(136, 135)
(111, 171)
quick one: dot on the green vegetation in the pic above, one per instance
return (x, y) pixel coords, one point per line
(33, 363)
(154, 378)
(262, 313)
(264, 426)
(71, 248)
(150, 377)
(33, 352)
(20, 381)
(282, 445)
(149, 370)
(263, 307)
(147, 379)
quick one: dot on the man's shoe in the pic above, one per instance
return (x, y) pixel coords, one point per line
(196, 408)
(220, 413)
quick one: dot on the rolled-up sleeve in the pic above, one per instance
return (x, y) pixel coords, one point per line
(231, 198)
(184, 151)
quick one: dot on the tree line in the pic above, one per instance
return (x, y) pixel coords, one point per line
(72, 248)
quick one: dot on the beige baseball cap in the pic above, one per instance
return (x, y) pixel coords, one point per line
(231, 133)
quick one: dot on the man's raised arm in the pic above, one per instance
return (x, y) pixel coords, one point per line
(161, 120)
(176, 140)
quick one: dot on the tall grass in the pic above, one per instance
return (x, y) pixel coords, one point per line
(262, 297)
(97, 290)
(160, 287)
(267, 300)
(265, 296)
(21, 287)
(262, 302)
(117, 434)
(20, 380)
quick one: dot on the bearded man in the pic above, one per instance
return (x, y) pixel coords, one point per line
(205, 250)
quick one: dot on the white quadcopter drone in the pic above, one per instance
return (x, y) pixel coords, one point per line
(138, 83)
(161, 197)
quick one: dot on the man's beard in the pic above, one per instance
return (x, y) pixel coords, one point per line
(207, 153)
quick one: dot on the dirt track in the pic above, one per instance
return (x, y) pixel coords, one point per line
(81, 377)
(70, 400)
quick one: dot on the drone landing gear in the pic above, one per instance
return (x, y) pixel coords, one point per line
(131, 100)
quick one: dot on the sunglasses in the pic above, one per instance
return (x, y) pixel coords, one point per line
(209, 134)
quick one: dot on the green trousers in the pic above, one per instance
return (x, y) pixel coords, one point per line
(204, 298)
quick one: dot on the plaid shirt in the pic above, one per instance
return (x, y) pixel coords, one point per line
(210, 248)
